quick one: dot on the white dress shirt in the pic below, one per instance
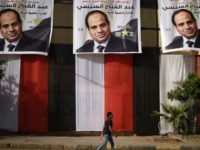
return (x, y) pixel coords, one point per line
(95, 49)
(7, 43)
(185, 41)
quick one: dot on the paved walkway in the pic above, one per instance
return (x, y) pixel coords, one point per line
(91, 142)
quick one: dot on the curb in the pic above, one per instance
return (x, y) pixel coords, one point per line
(190, 148)
(92, 147)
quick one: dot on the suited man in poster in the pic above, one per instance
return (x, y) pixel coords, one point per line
(14, 38)
(186, 24)
(98, 27)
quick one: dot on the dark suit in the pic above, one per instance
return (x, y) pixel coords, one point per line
(114, 45)
(27, 44)
(178, 42)
(41, 31)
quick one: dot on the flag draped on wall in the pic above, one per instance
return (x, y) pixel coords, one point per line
(179, 22)
(175, 31)
(24, 94)
(173, 70)
(105, 82)
(24, 88)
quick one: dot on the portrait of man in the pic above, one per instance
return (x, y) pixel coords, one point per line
(186, 25)
(14, 39)
(103, 40)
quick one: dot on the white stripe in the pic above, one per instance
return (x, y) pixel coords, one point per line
(173, 70)
(89, 92)
(9, 93)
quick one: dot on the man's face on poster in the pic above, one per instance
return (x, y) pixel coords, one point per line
(98, 28)
(185, 25)
(11, 28)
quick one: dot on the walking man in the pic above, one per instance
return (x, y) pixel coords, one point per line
(107, 132)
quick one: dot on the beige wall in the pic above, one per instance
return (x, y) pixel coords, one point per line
(149, 27)
(63, 25)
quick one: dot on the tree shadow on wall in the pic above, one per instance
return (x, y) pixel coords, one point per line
(9, 89)
(9, 93)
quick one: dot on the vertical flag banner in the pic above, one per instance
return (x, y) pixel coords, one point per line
(26, 26)
(179, 25)
(103, 26)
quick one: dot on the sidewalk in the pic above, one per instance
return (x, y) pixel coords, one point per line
(62, 142)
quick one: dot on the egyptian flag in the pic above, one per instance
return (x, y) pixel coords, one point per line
(105, 82)
(24, 93)
(24, 86)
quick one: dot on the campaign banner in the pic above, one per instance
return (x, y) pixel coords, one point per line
(179, 21)
(25, 26)
(106, 26)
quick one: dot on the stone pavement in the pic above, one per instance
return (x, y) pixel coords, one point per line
(62, 142)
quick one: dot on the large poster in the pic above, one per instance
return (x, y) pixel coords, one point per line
(25, 26)
(179, 21)
(102, 26)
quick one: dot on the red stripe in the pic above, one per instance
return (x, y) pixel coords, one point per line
(33, 99)
(119, 90)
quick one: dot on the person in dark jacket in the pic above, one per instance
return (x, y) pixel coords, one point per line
(186, 24)
(14, 38)
(98, 27)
